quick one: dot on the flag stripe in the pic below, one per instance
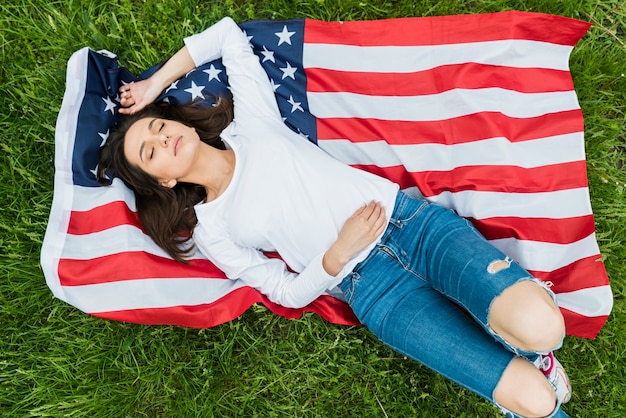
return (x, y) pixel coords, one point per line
(558, 231)
(438, 157)
(230, 306)
(547, 256)
(449, 30)
(480, 204)
(466, 128)
(446, 105)
(580, 274)
(582, 325)
(438, 80)
(503, 178)
(135, 265)
(409, 59)
(101, 218)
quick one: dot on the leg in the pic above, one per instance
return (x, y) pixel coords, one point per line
(524, 390)
(451, 255)
(417, 321)
(516, 312)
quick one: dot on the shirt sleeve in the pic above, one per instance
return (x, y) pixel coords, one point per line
(253, 95)
(267, 275)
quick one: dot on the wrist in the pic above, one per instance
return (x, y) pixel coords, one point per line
(334, 261)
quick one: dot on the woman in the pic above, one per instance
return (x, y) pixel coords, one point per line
(249, 185)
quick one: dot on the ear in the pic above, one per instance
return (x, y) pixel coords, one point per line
(168, 183)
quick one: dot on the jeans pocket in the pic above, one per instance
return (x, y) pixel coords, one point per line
(349, 286)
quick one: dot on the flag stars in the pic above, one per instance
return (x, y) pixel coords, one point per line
(284, 36)
(267, 55)
(289, 71)
(109, 105)
(274, 85)
(104, 137)
(248, 37)
(173, 86)
(213, 73)
(294, 105)
(195, 91)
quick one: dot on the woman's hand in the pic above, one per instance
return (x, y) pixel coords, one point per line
(360, 230)
(136, 96)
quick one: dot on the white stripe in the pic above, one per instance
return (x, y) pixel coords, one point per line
(545, 256)
(87, 198)
(119, 239)
(439, 157)
(148, 293)
(481, 205)
(449, 104)
(65, 133)
(593, 301)
(402, 59)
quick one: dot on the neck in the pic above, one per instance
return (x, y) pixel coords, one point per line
(215, 169)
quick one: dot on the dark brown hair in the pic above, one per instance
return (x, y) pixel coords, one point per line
(166, 214)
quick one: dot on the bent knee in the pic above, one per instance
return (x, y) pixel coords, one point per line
(525, 391)
(526, 316)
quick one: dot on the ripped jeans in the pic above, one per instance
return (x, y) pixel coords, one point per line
(408, 291)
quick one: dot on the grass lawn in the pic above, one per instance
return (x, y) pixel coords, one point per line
(58, 362)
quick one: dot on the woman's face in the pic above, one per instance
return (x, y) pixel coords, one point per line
(165, 149)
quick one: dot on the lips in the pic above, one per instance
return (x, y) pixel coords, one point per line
(177, 144)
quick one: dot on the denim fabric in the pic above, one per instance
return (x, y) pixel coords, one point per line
(425, 290)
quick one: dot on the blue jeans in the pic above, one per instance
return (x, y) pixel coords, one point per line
(410, 288)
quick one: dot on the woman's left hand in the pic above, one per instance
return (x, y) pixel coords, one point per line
(360, 230)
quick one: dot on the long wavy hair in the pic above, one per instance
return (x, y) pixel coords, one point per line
(166, 214)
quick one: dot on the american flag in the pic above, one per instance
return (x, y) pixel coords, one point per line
(475, 112)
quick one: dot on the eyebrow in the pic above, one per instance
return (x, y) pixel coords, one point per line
(143, 144)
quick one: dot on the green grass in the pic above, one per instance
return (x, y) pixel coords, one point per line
(56, 361)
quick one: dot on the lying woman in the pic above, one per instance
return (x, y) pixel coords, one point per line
(239, 182)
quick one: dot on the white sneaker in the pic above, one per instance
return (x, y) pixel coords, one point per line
(555, 373)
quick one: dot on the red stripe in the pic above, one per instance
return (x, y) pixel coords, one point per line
(581, 274)
(135, 265)
(448, 30)
(452, 131)
(583, 326)
(229, 307)
(438, 80)
(505, 179)
(102, 218)
(557, 231)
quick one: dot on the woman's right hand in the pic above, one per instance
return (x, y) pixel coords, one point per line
(135, 96)
(360, 230)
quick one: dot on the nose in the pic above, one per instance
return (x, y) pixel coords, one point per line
(164, 139)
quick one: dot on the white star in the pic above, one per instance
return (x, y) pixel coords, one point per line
(249, 37)
(195, 91)
(289, 71)
(294, 105)
(284, 36)
(274, 86)
(104, 137)
(267, 55)
(110, 105)
(213, 73)
(173, 86)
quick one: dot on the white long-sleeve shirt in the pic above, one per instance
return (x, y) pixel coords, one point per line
(286, 194)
